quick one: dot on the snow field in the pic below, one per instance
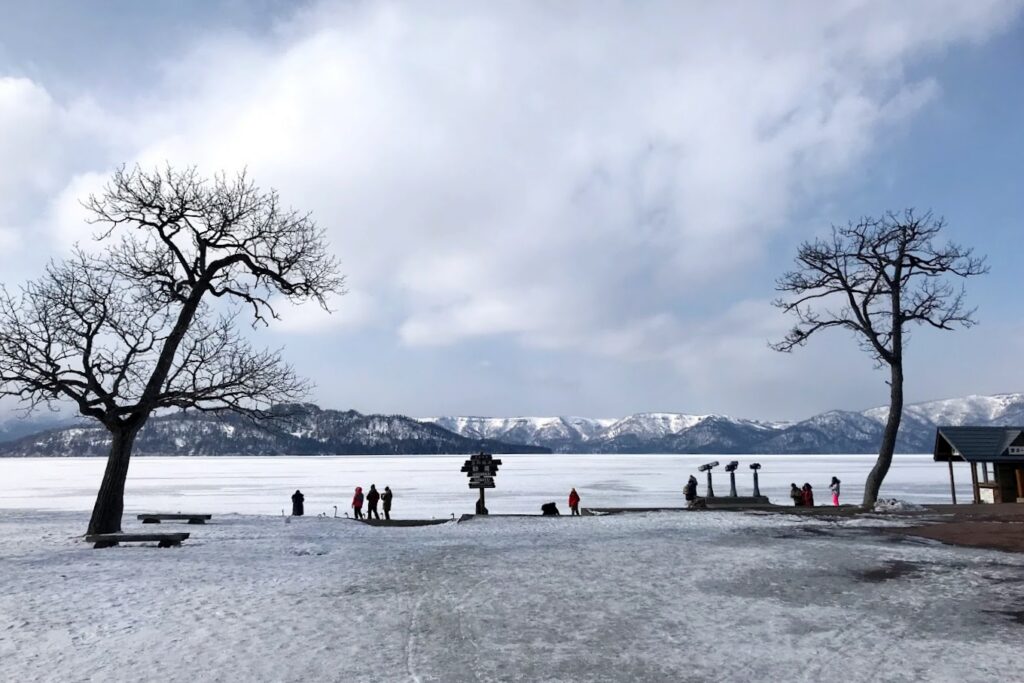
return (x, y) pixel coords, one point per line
(682, 596)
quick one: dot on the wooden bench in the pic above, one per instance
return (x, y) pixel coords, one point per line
(157, 517)
(110, 540)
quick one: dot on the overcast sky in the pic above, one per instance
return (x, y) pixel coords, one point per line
(551, 208)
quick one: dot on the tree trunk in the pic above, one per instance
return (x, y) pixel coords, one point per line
(892, 428)
(106, 514)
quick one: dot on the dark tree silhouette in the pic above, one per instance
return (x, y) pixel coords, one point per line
(131, 330)
(876, 277)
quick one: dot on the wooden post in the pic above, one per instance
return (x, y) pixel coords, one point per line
(974, 482)
(1020, 483)
(952, 485)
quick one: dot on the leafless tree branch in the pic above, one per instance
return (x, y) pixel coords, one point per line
(129, 331)
(876, 277)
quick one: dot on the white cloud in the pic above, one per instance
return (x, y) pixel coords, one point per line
(31, 144)
(49, 148)
(547, 172)
(570, 176)
(353, 311)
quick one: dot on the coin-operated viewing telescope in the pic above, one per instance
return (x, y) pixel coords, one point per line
(731, 469)
(707, 467)
(756, 466)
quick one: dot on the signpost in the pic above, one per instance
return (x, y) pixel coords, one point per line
(481, 469)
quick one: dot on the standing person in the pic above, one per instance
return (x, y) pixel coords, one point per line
(834, 488)
(574, 503)
(797, 495)
(808, 495)
(371, 502)
(357, 502)
(386, 499)
(297, 500)
(690, 490)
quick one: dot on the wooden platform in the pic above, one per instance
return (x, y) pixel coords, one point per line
(162, 540)
(157, 517)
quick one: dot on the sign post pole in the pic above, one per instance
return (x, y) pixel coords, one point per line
(481, 470)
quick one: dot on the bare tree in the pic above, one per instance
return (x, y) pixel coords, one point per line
(131, 330)
(876, 277)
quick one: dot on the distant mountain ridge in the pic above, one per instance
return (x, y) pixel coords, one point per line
(306, 429)
(14, 428)
(300, 429)
(835, 431)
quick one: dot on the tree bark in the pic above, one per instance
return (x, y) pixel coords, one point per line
(106, 514)
(892, 427)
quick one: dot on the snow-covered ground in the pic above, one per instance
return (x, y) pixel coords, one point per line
(432, 486)
(677, 596)
(671, 596)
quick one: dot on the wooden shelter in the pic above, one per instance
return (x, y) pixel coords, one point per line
(998, 450)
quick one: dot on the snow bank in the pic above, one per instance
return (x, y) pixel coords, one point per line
(896, 505)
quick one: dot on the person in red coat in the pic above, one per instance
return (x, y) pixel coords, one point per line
(357, 502)
(574, 502)
(808, 496)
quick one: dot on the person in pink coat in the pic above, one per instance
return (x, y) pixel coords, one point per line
(357, 502)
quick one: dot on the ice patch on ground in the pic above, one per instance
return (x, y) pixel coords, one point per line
(880, 520)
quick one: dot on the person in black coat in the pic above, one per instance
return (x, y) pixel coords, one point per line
(385, 498)
(297, 500)
(690, 490)
(371, 502)
(797, 495)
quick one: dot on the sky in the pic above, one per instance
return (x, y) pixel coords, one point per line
(573, 208)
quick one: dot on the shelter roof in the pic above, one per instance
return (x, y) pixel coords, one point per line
(979, 444)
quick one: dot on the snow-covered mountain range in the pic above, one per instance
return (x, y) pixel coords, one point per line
(835, 431)
(310, 430)
(299, 429)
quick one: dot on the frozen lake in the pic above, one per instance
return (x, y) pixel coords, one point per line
(433, 486)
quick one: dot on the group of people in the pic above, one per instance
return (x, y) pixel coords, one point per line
(372, 498)
(804, 496)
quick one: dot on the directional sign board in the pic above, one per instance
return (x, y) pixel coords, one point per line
(481, 469)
